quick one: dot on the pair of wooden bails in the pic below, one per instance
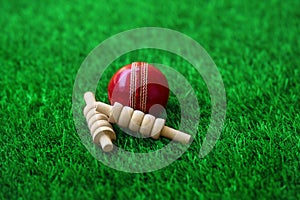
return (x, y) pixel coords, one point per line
(126, 117)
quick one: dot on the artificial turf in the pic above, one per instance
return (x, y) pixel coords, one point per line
(255, 45)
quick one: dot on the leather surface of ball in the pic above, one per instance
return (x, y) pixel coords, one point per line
(140, 86)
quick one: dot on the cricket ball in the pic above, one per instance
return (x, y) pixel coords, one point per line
(139, 85)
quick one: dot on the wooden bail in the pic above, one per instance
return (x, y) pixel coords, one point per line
(137, 121)
(101, 130)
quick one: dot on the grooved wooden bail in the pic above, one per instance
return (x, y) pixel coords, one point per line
(137, 121)
(101, 130)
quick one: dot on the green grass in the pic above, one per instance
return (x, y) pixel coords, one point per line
(256, 48)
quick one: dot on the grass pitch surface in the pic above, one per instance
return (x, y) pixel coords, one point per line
(256, 48)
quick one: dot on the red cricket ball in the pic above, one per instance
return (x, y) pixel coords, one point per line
(140, 86)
